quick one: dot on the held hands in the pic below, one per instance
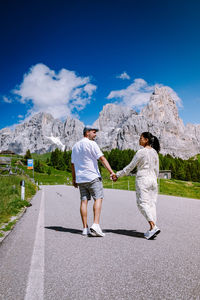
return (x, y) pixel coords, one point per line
(113, 177)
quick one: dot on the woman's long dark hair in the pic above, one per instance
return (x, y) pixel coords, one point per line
(153, 140)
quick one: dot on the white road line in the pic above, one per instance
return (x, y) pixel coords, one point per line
(35, 286)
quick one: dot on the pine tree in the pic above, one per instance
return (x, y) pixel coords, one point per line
(49, 171)
(27, 155)
(67, 160)
(38, 167)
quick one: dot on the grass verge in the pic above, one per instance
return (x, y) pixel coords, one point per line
(9, 226)
(10, 199)
(173, 187)
(56, 177)
(170, 187)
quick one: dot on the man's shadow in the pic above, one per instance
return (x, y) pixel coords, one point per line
(132, 233)
(63, 229)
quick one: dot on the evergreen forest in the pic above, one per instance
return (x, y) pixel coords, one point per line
(187, 170)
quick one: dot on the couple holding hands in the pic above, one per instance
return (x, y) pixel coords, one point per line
(86, 176)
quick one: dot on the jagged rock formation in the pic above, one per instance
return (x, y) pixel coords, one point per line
(160, 117)
(120, 127)
(110, 122)
(41, 133)
(175, 138)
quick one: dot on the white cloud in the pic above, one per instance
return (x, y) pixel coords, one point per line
(137, 94)
(57, 93)
(20, 116)
(6, 99)
(123, 76)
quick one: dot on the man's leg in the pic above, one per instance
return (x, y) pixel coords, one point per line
(96, 190)
(83, 211)
(97, 210)
(95, 229)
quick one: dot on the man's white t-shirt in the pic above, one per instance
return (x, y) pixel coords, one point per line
(85, 154)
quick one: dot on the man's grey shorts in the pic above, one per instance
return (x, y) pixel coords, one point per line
(93, 188)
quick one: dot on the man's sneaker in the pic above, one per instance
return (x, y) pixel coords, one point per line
(150, 234)
(96, 230)
(86, 231)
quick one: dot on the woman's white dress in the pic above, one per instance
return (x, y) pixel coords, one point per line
(147, 162)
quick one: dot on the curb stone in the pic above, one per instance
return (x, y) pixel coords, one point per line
(13, 218)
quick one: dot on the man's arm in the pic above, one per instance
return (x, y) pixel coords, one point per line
(107, 166)
(74, 177)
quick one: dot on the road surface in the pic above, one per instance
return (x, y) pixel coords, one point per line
(46, 257)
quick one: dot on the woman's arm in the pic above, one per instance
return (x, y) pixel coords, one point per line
(129, 167)
(157, 167)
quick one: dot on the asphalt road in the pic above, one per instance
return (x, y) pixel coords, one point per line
(46, 257)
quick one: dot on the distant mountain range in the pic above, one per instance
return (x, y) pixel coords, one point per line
(120, 127)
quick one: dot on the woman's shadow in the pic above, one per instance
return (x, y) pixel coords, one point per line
(132, 233)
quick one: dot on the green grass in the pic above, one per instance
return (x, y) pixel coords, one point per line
(59, 177)
(167, 187)
(56, 177)
(42, 157)
(180, 188)
(124, 183)
(9, 226)
(10, 196)
(170, 187)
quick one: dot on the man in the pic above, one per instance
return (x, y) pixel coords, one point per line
(86, 176)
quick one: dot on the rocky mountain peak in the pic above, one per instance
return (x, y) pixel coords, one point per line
(73, 132)
(5, 131)
(113, 116)
(42, 117)
(161, 107)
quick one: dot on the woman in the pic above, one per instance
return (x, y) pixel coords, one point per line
(147, 162)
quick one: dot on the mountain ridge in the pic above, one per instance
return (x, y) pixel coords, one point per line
(119, 127)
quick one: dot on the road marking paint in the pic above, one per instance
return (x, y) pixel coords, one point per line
(35, 286)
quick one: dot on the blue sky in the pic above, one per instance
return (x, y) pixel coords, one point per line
(72, 57)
